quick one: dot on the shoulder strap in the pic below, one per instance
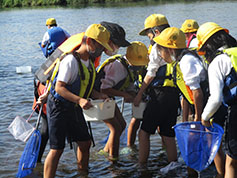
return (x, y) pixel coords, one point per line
(125, 64)
(179, 82)
(78, 58)
(190, 39)
(82, 73)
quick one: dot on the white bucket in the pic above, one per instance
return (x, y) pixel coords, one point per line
(21, 129)
(101, 110)
(137, 112)
(23, 69)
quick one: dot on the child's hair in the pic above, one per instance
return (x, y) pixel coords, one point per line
(178, 53)
(161, 27)
(219, 39)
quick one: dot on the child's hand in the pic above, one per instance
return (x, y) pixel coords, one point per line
(103, 96)
(84, 103)
(137, 100)
(206, 123)
(42, 99)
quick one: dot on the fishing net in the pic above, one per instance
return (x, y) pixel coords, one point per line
(29, 156)
(21, 129)
(198, 144)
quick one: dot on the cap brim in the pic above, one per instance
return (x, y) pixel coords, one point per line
(107, 46)
(124, 43)
(143, 32)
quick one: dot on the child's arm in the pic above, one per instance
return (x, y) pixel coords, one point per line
(145, 83)
(114, 92)
(65, 93)
(98, 95)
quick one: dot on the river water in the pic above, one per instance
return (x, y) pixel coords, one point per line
(20, 32)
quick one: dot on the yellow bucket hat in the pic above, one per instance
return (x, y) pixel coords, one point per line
(205, 31)
(171, 37)
(100, 34)
(137, 54)
(51, 21)
(153, 20)
(189, 26)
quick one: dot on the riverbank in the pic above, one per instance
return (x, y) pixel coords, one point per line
(78, 3)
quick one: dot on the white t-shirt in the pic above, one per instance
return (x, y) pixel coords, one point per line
(193, 71)
(68, 70)
(218, 69)
(155, 61)
(114, 73)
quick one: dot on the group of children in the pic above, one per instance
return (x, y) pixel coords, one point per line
(169, 68)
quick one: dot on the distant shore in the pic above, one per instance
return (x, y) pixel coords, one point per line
(63, 3)
(77, 3)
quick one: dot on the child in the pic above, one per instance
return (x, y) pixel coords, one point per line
(171, 43)
(72, 85)
(153, 26)
(190, 27)
(115, 79)
(161, 111)
(220, 51)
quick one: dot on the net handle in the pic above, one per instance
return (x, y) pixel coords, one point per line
(32, 113)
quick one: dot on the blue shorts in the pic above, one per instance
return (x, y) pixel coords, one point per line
(65, 122)
(231, 133)
(161, 111)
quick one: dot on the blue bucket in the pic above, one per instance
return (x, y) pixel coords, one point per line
(198, 144)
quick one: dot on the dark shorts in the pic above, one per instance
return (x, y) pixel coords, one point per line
(221, 115)
(65, 122)
(161, 111)
(231, 133)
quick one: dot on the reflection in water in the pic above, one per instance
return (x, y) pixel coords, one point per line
(20, 32)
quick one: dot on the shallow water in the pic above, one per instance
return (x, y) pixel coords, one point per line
(20, 32)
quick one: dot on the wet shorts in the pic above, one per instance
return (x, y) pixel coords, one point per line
(65, 122)
(161, 111)
(231, 133)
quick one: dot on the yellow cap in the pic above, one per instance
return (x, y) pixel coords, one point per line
(189, 26)
(100, 34)
(137, 54)
(153, 20)
(171, 37)
(51, 21)
(205, 31)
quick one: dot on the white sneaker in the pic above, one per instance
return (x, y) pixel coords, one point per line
(126, 150)
(172, 165)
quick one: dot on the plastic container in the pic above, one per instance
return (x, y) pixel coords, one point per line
(101, 110)
(137, 112)
(21, 129)
(198, 144)
(23, 69)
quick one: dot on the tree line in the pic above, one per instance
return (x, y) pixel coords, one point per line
(33, 3)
